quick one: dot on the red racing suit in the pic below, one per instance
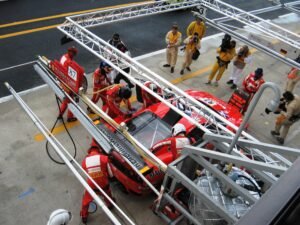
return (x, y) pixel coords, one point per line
(65, 61)
(251, 86)
(63, 108)
(175, 145)
(113, 103)
(100, 82)
(97, 166)
(149, 99)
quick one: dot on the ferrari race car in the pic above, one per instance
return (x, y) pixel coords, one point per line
(149, 126)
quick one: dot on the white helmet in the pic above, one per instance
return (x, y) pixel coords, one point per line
(178, 128)
(153, 87)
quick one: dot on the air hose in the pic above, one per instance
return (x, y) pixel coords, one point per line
(257, 189)
(73, 142)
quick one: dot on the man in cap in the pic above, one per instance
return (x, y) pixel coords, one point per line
(173, 40)
(69, 56)
(115, 40)
(119, 44)
(65, 60)
(101, 82)
(197, 26)
(289, 114)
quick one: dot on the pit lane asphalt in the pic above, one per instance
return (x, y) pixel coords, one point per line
(142, 35)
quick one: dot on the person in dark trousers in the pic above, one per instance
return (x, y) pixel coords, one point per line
(117, 43)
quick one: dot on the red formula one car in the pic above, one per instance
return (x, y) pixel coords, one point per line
(150, 126)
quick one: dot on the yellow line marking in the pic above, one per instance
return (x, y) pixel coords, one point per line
(51, 17)
(191, 75)
(61, 128)
(28, 31)
(67, 14)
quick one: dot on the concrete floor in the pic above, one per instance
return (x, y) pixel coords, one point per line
(32, 186)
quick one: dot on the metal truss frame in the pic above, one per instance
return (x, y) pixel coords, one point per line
(291, 6)
(202, 157)
(255, 22)
(102, 17)
(67, 159)
(257, 25)
(75, 28)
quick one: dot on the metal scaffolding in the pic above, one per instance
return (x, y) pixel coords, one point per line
(75, 28)
(249, 150)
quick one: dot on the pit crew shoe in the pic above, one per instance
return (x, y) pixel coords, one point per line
(90, 110)
(166, 65)
(274, 133)
(188, 68)
(229, 82)
(280, 140)
(73, 119)
(208, 82)
(233, 87)
(182, 72)
(84, 220)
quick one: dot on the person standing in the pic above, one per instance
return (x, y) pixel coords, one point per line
(224, 58)
(120, 76)
(197, 26)
(192, 44)
(65, 61)
(289, 115)
(173, 40)
(243, 57)
(115, 40)
(98, 167)
(69, 56)
(101, 82)
(251, 84)
(293, 77)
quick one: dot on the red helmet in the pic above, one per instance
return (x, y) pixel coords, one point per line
(73, 50)
(94, 146)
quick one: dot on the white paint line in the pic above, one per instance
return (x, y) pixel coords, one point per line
(19, 65)
(10, 97)
(163, 50)
(287, 15)
(149, 54)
